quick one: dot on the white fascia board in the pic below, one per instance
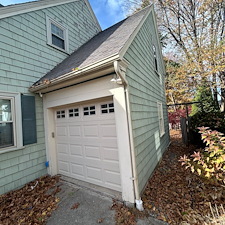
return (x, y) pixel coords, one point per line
(17, 9)
(93, 14)
(133, 35)
(77, 74)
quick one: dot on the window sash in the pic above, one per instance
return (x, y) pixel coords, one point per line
(57, 35)
(7, 125)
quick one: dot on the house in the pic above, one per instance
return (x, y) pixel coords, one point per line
(104, 108)
(27, 52)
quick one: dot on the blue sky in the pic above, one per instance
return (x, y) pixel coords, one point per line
(108, 12)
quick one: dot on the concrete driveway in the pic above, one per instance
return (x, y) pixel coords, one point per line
(82, 206)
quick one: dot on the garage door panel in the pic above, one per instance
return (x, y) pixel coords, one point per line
(87, 148)
(64, 167)
(76, 150)
(91, 131)
(92, 152)
(77, 160)
(95, 163)
(75, 131)
(110, 154)
(108, 130)
(94, 173)
(112, 178)
(63, 148)
(61, 131)
(78, 170)
(111, 166)
(109, 143)
(63, 157)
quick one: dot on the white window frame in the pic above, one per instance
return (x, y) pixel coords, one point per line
(50, 21)
(155, 58)
(16, 119)
(161, 119)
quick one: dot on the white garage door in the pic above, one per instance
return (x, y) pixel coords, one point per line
(87, 144)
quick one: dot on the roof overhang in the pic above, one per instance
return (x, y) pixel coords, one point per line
(81, 75)
(12, 10)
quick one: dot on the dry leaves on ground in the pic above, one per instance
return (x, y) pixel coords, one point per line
(174, 194)
(125, 215)
(32, 204)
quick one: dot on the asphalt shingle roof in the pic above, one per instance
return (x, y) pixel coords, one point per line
(105, 44)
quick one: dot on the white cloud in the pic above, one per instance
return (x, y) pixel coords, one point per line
(115, 9)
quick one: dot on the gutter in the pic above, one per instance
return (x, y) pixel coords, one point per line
(75, 74)
(119, 66)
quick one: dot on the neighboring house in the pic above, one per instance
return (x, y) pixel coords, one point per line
(105, 113)
(28, 50)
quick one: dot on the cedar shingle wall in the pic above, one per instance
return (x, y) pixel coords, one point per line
(145, 91)
(24, 58)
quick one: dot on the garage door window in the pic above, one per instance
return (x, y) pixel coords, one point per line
(74, 112)
(89, 110)
(60, 114)
(107, 108)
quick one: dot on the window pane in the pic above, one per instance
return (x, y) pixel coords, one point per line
(111, 110)
(104, 106)
(6, 135)
(58, 42)
(57, 31)
(5, 110)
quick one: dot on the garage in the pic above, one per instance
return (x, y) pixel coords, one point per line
(86, 143)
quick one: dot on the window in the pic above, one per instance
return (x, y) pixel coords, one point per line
(60, 114)
(155, 58)
(7, 122)
(74, 112)
(89, 110)
(107, 108)
(17, 121)
(161, 119)
(57, 35)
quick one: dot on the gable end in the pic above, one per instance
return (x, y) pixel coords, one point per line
(12, 10)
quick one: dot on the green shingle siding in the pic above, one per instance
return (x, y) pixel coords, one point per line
(145, 91)
(24, 58)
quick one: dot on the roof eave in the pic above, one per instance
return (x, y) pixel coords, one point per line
(86, 73)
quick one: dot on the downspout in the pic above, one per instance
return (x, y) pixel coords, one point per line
(138, 201)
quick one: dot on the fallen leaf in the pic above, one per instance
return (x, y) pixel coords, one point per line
(75, 206)
(100, 220)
